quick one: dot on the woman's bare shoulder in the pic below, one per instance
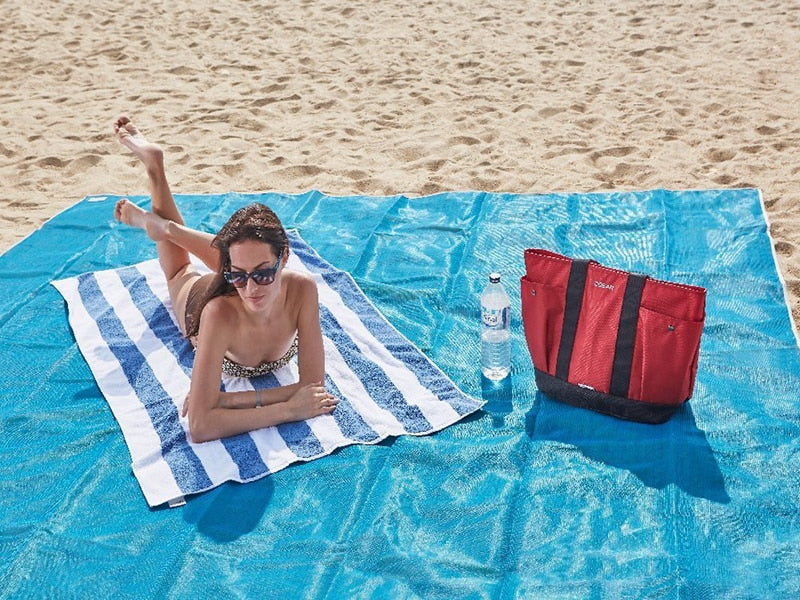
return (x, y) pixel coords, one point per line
(301, 282)
(301, 292)
(220, 312)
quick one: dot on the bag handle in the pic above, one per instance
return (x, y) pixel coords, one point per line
(572, 310)
(626, 331)
(626, 335)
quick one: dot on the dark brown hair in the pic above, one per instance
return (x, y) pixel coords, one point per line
(255, 222)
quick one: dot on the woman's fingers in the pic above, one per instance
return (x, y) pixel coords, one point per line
(326, 401)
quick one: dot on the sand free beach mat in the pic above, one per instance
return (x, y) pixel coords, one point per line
(525, 498)
(128, 334)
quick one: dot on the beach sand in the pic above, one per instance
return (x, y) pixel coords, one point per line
(392, 97)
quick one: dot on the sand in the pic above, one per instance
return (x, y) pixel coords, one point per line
(403, 97)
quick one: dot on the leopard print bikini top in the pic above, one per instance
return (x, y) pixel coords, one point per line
(234, 369)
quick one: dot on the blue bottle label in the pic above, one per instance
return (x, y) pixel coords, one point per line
(494, 318)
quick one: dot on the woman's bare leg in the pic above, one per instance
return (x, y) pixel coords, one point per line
(159, 229)
(174, 241)
(172, 257)
(164, 225)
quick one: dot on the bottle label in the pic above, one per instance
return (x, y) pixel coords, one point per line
(494, 318)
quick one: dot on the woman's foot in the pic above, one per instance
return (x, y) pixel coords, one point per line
(157, 228)
(150, 154)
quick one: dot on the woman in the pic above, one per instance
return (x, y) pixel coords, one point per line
(248, 317)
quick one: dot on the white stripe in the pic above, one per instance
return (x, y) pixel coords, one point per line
(154, 276)
(273, 450)
(155, 478)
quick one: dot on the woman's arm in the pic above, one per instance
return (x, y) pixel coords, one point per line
(250, 398)
(311, 353)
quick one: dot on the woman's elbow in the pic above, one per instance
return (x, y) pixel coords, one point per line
(199, 429)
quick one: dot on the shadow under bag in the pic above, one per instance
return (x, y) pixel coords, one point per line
(615, 342)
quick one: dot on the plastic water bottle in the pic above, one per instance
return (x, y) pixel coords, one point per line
(495, 330)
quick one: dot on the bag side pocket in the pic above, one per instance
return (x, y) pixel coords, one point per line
(543, 320)
(664, 358)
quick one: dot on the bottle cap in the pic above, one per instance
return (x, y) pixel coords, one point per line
(494, 278)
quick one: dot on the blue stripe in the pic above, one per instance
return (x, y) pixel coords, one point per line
(157, 317)
(183, 462)
(379, 327)
(300, 439)
(244, 453)
(378, 385)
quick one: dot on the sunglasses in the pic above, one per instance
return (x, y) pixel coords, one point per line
(260, 276)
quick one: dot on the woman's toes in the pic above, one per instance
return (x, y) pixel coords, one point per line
(118, 209)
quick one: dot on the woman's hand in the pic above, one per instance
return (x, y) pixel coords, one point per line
(310, 401)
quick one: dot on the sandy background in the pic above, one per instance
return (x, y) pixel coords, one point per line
(409, 97)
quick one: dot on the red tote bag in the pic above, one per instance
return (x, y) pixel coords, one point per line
(616, 342)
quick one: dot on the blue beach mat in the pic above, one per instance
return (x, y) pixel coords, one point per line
(526, 498)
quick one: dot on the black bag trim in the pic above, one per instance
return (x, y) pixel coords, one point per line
(626, 336)
(615, 406)
(572, 310)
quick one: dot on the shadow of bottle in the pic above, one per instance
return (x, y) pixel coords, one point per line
(674, 452)
(499, 397)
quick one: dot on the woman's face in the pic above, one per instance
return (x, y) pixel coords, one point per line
(252, 256)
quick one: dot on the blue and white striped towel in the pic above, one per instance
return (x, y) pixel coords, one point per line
(125, 328)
